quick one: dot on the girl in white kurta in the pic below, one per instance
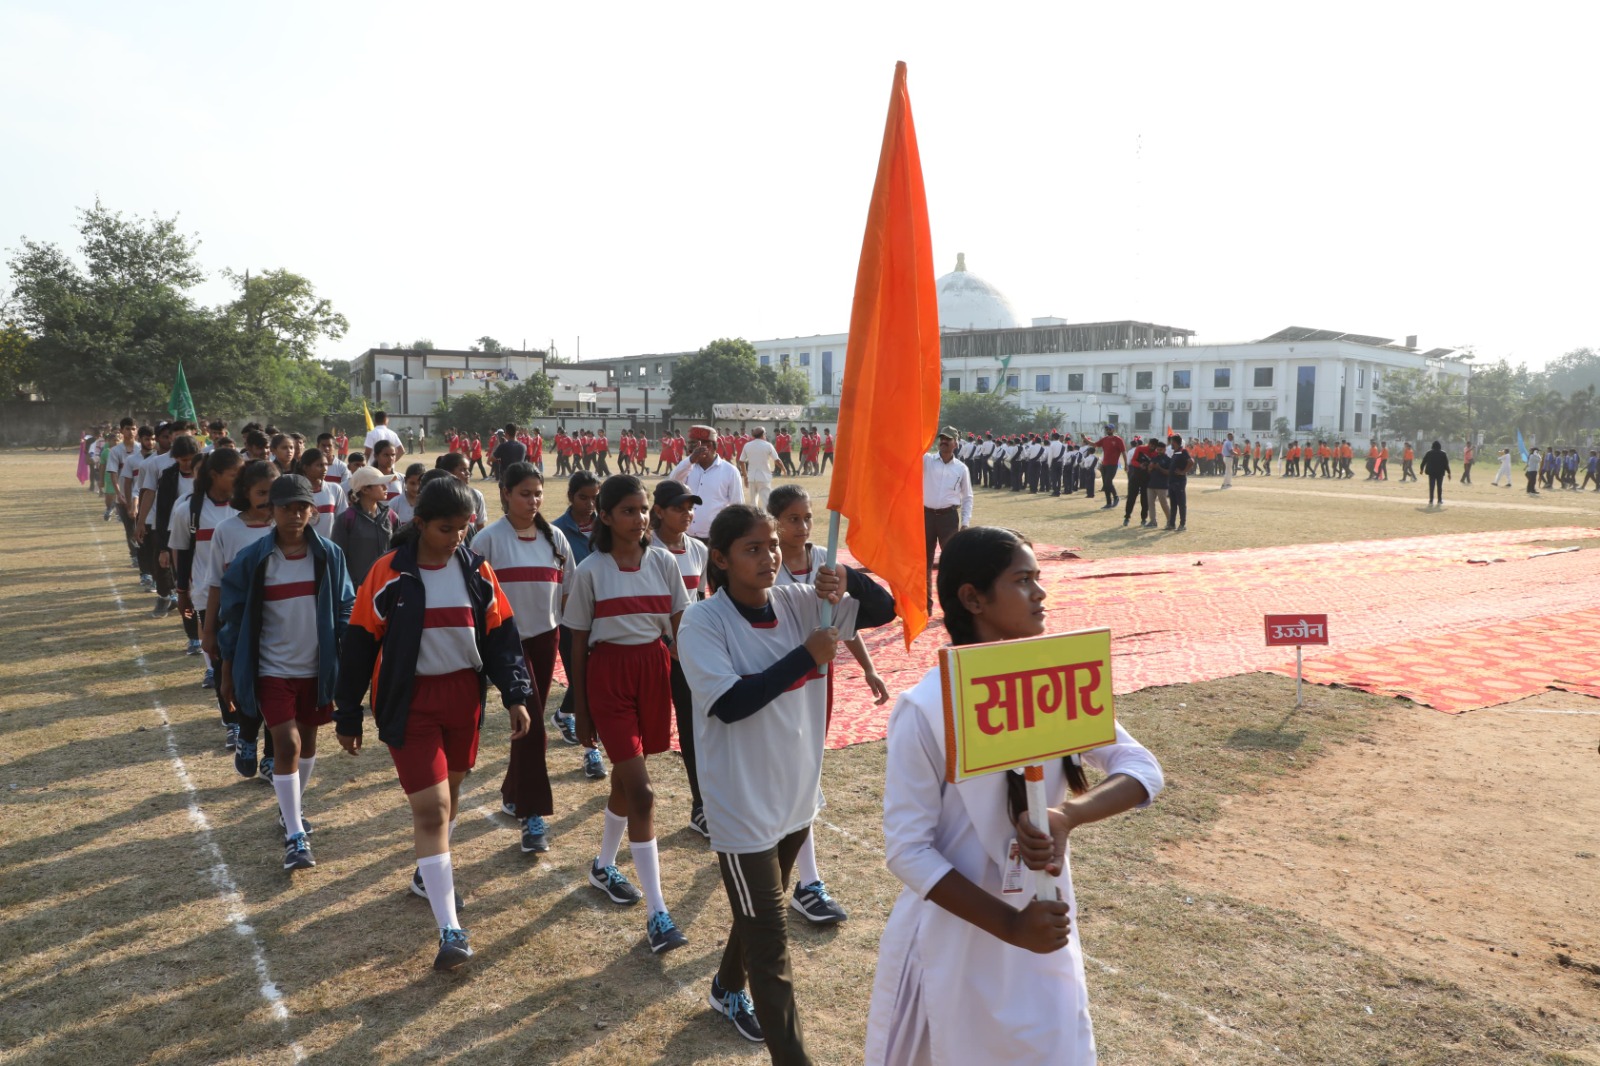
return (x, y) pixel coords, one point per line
(966, 973)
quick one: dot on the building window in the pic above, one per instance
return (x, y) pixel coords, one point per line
(1108, 382)
(1141, 420)
(658, 370)
(1221, 377)
(1144, 380)
(766, 360)
(783, 359)
(983, 384)
(1041, 383)
(1180, 380)
(1074, 382)
(1358, 421)
(1263, 377)
(954, 385)
(1376, 384)
(1013, 382)
(1260, 420)
(1219, 419)
(805, 358)
(1180, 420)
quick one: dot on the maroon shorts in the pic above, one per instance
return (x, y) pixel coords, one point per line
(291, 699)
(441, 730)
(630, 698)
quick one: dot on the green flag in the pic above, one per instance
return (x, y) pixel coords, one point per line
(182, 404)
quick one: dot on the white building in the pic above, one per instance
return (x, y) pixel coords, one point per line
(407, 382)
(1315, 380)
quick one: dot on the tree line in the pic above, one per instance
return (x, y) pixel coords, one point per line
(1556, 405)
(112, 323)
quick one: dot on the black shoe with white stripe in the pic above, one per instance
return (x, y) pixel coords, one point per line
(814, 902)
(420, 889)
(737, 1008)
(697, 822)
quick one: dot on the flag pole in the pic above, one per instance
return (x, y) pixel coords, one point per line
(833, 555)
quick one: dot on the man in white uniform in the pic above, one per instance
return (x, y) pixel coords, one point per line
(708, 477)
(757, 462)
(380, 431)
(946, 499)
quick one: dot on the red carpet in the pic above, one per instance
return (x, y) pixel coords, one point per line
(1410, 617)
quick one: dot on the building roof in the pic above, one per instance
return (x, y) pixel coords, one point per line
(966, 301)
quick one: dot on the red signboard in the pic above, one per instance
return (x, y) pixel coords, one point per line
(1287, 630)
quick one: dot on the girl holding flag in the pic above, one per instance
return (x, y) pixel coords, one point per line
(968, 972)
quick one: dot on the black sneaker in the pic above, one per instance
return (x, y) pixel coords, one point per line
(617, 888)
(420, 889)
(593, 768)
(737, 1008)
(567, 725)
(814, 902)
(297, 853)
(305, 825)
(454, 951)
(264, 771)
(664, 934)
(244, 758)
(162, 608)
(230, 737)
(697, 822)
(535, 835)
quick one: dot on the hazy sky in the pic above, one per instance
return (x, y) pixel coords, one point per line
(650, 177)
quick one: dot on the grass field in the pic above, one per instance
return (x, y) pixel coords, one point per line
(1246, 918)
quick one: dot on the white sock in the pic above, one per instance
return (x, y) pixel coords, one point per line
(616, 825)
(647, 863)
(439, 878)
(287, 786)
(805, 863)
(306, 763)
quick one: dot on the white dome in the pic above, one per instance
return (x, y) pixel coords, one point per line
(966, 301)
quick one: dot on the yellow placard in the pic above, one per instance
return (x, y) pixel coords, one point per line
(1023, 702)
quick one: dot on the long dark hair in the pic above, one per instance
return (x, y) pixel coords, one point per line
(614, 490)
(308, 456)
(219, 460)
(781, 498)
(256, 470)
(443, 497)
(510, 478)
(978, 556)
(731, 523)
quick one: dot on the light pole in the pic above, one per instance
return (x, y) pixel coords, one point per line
(1164, 388)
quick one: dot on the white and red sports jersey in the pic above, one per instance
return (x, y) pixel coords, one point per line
(329, 500)
(232, 535)
(288, 645)
(815, 557)
(337, 473)
(761, 776)
(449, 640)
(620, 606)
(533, 570)
(212, 514)
(691, 560)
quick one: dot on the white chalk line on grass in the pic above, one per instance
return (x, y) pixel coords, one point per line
(1537, 710)
(221, 876)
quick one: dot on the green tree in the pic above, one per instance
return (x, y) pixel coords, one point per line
(16, 359)
(484, 410)
(115, 327)
(981, 412)
(486, 343)
(422, 344)
(1573, 372)
(724, 371)
(1415, 401)
(787, 385)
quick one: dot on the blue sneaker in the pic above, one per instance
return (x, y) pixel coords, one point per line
(593, 768)
(534, 835)
(737, 1008)
(610, 880)
(244, 758)
(210, 680)
(814, 902)
(305, 825)
(193, 648)
(266, 770)
(418, 888)
(297, 853)
(453, 950)
(664, 935)
(568, 726)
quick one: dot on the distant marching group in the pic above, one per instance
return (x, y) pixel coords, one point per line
(328, 586)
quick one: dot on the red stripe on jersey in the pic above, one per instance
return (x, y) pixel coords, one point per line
(335, 478)
(632, 605)
(528, 573)
(447, 617)
(289, 590)
(326, 508)
(770, 624)
(204, 534)
(691, 582)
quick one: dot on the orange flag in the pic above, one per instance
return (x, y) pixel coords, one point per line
(889, 400)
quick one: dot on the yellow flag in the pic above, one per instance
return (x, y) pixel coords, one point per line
(367, 415)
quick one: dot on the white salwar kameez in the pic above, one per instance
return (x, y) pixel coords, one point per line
(946, 992)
